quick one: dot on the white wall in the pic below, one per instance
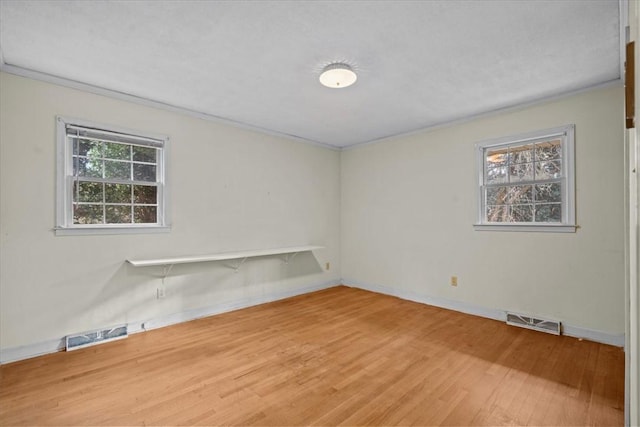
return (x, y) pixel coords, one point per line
(396, 215)
(408, 205)
(231, 189)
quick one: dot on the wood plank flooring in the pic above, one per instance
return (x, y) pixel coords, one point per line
(341, 356)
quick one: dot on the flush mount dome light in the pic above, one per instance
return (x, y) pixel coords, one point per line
(337, 76)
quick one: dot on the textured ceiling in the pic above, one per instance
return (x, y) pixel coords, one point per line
(419, 64)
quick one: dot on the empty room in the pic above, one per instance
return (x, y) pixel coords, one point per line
(291, 213)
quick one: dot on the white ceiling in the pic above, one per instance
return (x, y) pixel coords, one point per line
(419, 63)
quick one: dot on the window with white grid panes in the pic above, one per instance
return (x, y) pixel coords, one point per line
(110, 179)
(526, 181)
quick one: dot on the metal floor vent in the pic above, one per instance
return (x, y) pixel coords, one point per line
(544, 325)
(87, 339)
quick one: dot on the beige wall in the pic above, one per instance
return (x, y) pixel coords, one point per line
(231, 189)
(396, 214)
(408, 206)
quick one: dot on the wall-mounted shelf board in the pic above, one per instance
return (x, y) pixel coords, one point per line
(221, 256)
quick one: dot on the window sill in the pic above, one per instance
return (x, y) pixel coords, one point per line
(543, 228)
(86, 231)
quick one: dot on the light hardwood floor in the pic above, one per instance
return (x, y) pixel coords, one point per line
(338, 356)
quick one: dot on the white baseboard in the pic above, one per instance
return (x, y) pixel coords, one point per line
(186, 316)
(462, 307)
(491, 313)
(51, 346)
(31, 350)
(54, 345)
(593, 335)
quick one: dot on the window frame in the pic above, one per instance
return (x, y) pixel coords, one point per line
(64, 182)
(568, 223)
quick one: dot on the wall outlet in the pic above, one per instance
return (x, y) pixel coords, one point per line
(454, 280)
(160, 293)
(328, 266)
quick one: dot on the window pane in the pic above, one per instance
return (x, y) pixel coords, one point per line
(144, 172)
(87, 214)
(522, 213)
(498, 213)
(548, 150)
(87, 192)
(146, 194)
(118, 214)
(117, 151)
(549, 170)
(117, 170)
(521, 154)
(117, 193)
(519, 194)
(546, 193)
(144, 154)
(145, 214)
(497, 195)
(496, 158)
(551, 212)
(497, 175)
(87, 147)
(83, 166)
(521, 172)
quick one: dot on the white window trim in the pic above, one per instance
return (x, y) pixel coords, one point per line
(568, 224)
(64, 225)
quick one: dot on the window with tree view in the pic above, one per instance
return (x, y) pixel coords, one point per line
(527, 180)
(111, 179)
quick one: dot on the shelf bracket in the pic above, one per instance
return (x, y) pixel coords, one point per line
(238, 264)
(290, 257)
(166, 269)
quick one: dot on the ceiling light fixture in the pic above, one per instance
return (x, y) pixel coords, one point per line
(338, 76)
